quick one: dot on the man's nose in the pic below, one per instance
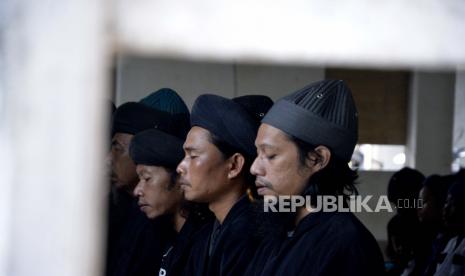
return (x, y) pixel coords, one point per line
(138, 191)
(255, 169)
(180, 169)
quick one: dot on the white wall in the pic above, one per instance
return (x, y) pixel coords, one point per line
(138, 77)
(355, 33)
(53, 61)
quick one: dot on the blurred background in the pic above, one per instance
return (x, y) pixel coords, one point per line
(61, 61)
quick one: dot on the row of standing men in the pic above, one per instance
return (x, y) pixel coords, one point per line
(200, 179)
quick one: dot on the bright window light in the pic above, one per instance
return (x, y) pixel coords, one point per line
(372, 157)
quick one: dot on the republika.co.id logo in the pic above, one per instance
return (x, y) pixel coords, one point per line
(328, 203)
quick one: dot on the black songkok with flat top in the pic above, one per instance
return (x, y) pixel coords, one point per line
(227, 120)
(156, 148)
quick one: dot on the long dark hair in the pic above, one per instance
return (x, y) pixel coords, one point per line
(337, 178)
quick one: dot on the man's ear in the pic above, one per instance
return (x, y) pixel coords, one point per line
(319, 158)
(236, 162)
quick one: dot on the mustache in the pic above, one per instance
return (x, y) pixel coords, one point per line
(141, 203)
(183, 181)
(260, 181)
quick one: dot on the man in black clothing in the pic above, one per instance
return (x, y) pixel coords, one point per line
(304, 145)
(156, 155)
(215, 170)
(135, 244)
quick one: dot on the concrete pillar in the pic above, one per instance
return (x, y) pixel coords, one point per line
(53, 75)
(430, 124)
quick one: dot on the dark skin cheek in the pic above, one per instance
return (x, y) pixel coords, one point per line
(207, 177)
(288, 180)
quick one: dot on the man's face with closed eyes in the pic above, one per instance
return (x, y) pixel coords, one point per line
(123, 169)
(277, 166)
(204, 171)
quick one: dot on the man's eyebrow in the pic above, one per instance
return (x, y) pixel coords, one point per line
(190, 148)
(266, 146)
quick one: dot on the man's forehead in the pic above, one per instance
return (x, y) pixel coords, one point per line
(196, 137)
(140, 169)
(270, 137)
(143, 169)
(123, 138)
